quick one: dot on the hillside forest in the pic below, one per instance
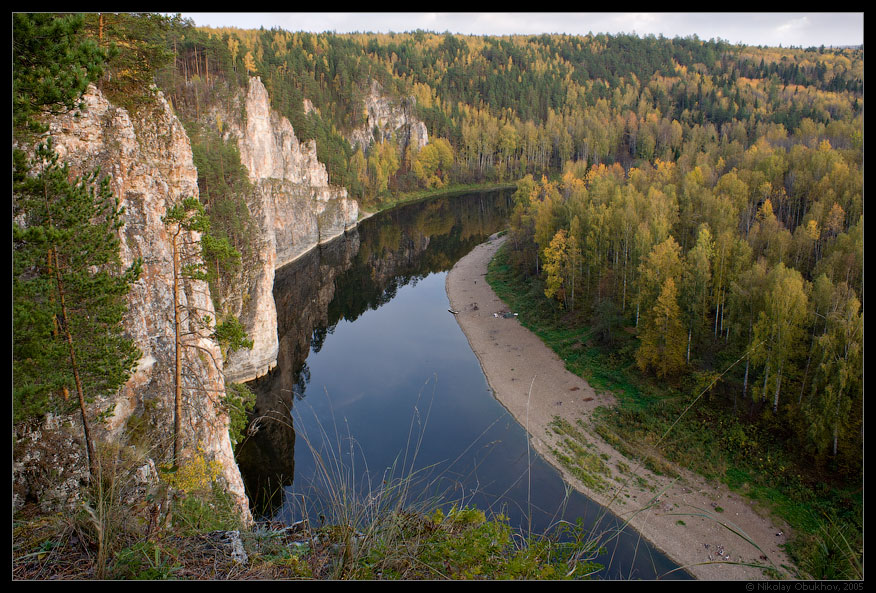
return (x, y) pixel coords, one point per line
(692, 209)
(710, 196)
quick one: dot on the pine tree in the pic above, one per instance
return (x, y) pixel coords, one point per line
(555, 264)
(52, 66)
(183, 221)
(69, 293)
(188, 225)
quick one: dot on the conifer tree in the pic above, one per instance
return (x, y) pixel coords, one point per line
(188, 223)
(69, 293)
(52, 66)
(181, 220)
(662, 337)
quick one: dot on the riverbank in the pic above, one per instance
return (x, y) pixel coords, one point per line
(428, 194)
(702, 526)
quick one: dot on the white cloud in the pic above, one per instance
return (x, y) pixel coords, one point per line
(794, 25)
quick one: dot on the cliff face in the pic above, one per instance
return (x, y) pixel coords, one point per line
(388, 118)
(296, 208)
(149, 159)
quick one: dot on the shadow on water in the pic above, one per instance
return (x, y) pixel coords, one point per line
(380, 382)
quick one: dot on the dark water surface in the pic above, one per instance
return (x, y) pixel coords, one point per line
(380, 384)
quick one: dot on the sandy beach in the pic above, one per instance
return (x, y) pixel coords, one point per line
(693, 521)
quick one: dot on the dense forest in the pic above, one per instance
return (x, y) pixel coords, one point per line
(696, 206)
(707, 194)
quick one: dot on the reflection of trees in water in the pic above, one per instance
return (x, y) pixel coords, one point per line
(412, 242)
(343, 279)
(301, 382)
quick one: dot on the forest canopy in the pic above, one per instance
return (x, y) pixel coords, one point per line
(692, 204)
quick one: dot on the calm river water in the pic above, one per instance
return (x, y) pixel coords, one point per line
(376, 382)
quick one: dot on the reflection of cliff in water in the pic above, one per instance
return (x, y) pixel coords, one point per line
(409, 243)
(302, 292)
(342, 279)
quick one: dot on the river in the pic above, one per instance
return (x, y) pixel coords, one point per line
(376, 384)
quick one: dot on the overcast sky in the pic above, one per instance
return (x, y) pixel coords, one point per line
(753, 28)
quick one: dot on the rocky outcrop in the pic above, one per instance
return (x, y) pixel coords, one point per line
(149, 160)
(303, 291)
(293, 203)
(148, 157)
(295, 207)
(389, 118)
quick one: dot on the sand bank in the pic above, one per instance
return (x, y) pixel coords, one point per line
(530, 380)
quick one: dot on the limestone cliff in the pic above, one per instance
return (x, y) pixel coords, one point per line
(149, 159)
(389, 118)
(295, 206)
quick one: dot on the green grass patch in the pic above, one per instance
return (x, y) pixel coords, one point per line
(573, 454)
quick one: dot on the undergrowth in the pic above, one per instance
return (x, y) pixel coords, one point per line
(185, 527)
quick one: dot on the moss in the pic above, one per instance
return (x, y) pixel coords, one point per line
(138, 427)
(574, 455)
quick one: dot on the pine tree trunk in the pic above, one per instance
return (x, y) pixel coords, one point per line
(177, 371)
(86, 428)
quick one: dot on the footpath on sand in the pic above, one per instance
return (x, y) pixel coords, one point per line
(693, 521)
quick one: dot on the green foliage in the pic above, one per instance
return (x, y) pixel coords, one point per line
(465, 544)
(834, 552)
(574, 454)
(188, 215)
(52, 64)
(239, 401)
(528, 104)
(662, 336)
(735, 172)
(219, 255)
(231, 335)
(146, 561)
(433, 162)
(231, 246)
(69, 289)
(137, 48)
(204, 512)
(754, 456)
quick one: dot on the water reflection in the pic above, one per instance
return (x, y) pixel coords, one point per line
(382, 384)
(341, 280)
